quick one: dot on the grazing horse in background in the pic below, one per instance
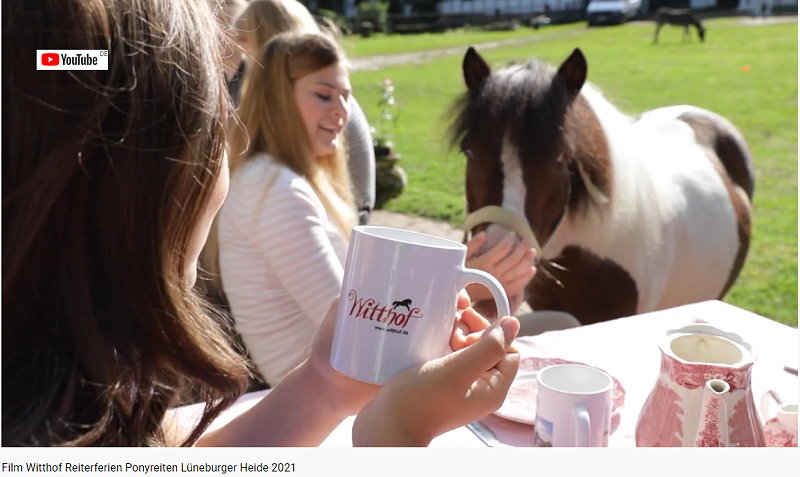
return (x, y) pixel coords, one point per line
(679, 17)
(632, 215)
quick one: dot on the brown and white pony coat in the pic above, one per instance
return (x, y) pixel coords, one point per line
(632, 215)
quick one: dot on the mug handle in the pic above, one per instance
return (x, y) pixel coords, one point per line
(470, 275)
(583, 426)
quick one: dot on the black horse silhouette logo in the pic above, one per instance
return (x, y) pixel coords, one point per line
(406, 303)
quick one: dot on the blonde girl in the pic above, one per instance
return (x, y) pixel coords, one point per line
(284, 228)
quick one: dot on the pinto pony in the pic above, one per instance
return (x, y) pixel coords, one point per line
(631, 215)
(679, 17)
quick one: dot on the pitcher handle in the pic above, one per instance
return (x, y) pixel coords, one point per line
(766, 399)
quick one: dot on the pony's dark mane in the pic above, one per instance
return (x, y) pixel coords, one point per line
(514, 96)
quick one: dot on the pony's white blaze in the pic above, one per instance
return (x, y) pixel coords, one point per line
(655, 164)
(513, 190)
(513, 182)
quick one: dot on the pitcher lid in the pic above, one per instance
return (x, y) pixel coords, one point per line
(721, 353)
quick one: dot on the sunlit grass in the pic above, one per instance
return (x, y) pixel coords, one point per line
(383, 44)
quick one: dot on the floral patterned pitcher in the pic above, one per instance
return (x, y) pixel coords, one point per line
(702, 396)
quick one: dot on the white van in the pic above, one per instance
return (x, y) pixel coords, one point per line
(600, 12)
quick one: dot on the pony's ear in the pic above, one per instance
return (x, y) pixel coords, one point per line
(573, 71)
(475, 69)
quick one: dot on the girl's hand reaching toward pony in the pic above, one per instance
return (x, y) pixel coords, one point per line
(510, 261)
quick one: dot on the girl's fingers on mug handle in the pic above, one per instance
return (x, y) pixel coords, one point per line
(474, 321)
(476, 335)
(459, 338)
(468, 329)
(472, 338)
(468, 322)
(487, 352)
(463, 301)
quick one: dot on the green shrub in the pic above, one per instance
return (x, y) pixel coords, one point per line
(334, 18)
(375, 13)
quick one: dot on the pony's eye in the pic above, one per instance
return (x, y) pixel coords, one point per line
(467, 152)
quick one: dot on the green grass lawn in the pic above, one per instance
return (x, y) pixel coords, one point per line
(382, 44)
(746, 73)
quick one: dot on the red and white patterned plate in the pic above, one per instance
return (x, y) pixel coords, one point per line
(520, 403)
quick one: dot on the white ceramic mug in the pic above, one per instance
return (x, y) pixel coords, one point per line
(398, 302)
(573, 406)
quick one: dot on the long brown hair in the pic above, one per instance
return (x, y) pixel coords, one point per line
(105, 176)
(273, 124)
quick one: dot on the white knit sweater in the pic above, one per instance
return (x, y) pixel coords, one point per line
(281, 262)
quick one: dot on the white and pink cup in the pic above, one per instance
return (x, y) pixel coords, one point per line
(398, 302)
(573, 406)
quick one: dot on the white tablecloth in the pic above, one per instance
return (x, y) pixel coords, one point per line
(627, 349)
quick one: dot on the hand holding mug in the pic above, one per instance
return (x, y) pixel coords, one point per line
(398, 301)
(444, 393)
(347, 395)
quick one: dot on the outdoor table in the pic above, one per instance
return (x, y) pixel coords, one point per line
(626, 348)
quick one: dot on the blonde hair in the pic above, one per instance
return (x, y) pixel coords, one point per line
(258, 24)
(273, 123)
(226, 12)
(263, 19)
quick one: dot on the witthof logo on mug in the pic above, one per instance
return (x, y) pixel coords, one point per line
(72, 60)
(391, 318)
